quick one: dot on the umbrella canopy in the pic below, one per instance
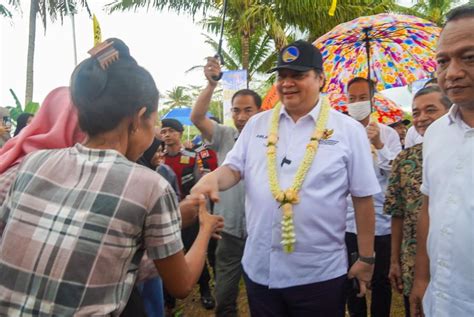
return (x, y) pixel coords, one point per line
(182, 114)
(385, 111)
(400, 50)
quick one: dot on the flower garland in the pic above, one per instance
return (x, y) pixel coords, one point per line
(289, 197)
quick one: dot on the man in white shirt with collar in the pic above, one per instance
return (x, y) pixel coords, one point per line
(245, 103)
(295, 260)
(412, 138)
(444, 265)
(385, 144)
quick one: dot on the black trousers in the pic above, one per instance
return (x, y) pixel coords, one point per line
(381, 289)
(321, 299)
(406, 303)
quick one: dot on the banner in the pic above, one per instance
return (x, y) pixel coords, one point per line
(232, 81)
(97, 31)
(270, 99)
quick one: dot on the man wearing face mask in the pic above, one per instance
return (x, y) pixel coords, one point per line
(385, 145)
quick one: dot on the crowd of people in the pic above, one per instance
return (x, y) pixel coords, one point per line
(105, 214)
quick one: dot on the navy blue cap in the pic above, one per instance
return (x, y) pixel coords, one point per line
(173, 124)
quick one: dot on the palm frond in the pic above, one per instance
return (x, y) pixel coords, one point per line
(191, 7)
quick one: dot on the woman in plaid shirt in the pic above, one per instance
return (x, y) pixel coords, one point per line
(76, 221)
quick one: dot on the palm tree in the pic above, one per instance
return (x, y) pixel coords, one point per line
(53, 9)
(5, 11)
(260, 57)
(177, 97)
(432, 10)
(215, 107)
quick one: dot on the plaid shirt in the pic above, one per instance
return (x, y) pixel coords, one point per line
(6, 180)
(73, 228)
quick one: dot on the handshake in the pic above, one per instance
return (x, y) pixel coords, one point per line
(195, 206)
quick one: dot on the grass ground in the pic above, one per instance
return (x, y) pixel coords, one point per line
(191, 306)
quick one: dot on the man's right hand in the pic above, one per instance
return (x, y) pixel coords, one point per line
(416, 297)
(208, 187)
(395, 276)
(212, 69)
(363, 272)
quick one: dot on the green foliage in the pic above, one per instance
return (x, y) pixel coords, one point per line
(177, 97)
(261, 53)
(31, 107)
(216, 105)
(431, 10)
(248, 20)
(6, 9)
(59, 9)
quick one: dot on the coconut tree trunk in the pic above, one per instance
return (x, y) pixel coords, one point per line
(31, 52)
(246, 53)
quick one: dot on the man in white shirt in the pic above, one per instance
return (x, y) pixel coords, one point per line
(220, 138)
(412, 138)
(385, 144)
(295, 260)
(444, 265)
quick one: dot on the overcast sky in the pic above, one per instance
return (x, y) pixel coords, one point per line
(164, 43)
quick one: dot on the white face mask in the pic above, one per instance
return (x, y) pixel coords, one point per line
(359, 110)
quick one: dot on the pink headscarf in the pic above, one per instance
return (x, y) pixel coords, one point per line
(55, 126)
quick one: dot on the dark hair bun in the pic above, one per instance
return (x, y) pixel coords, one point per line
(92, 77)
(103, 97)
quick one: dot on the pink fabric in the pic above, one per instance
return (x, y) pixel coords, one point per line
(55, 126)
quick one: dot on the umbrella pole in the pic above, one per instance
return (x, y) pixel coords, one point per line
(367, 50)
(219, 47)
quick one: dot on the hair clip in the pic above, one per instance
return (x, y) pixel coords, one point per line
(105, 54)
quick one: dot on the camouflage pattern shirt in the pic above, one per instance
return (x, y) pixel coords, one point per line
(403, 199)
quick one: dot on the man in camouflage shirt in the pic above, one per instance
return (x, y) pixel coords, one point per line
(403, 198)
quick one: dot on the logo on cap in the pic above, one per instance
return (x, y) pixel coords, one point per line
(290, 54)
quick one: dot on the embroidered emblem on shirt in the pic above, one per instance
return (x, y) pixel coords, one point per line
(184, 159)
(327, 134)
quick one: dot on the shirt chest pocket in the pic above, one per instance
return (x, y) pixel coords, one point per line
(329, 164)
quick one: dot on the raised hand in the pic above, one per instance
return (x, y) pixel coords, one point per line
(212, 70)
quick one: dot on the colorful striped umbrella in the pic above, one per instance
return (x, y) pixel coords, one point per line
(400, 49)
(385, 111)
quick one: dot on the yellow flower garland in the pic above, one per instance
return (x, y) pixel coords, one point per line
(289, 197)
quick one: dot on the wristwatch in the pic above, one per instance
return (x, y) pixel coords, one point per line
(367, 259)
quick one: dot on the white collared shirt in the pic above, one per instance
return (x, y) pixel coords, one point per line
(412, 137)
(342, 165)
(448, 180)
(382, 167)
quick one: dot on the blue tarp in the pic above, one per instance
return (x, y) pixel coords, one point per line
(182, 115)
